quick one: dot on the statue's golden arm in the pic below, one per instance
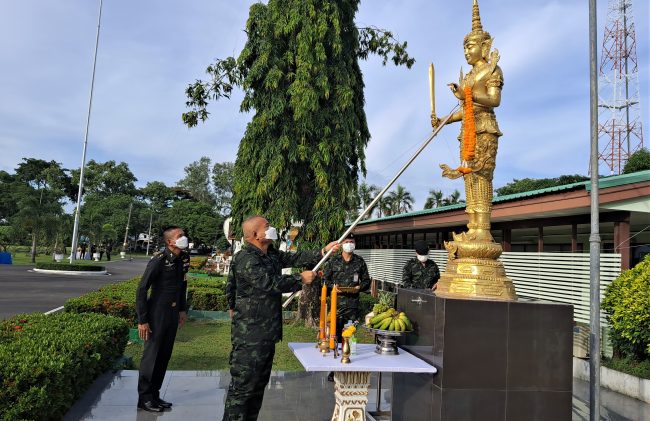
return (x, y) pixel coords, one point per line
(491, 98)
(455, 117)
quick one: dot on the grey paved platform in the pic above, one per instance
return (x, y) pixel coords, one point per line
(290, 396)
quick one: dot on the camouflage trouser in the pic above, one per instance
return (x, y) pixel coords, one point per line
(250, 369)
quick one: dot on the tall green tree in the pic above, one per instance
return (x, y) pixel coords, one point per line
(199, 220)
(223, 177)
(302, 152)
(8, 206)
(197, 181)
(104, 178)
(434, 200)
(401, 200)
(38, 194)
(452, 199)
(528, 184)
(638, 161)
(158, 197)
(367, 193)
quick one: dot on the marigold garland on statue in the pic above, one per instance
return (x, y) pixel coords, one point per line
(469, 132)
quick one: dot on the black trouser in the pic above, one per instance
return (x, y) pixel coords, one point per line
(250, 370)
(108, 255)
(157, 350)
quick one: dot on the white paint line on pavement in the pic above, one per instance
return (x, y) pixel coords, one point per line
(54, 310)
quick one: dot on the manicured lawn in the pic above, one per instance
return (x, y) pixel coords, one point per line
(204, 345)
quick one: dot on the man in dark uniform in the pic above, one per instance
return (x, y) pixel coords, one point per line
(254, 292)
(160, 315)
(346, 270)
(420, 272)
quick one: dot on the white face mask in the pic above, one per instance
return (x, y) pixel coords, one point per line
(348, 247)
(271, 234)
(423, 258)
(182, 242)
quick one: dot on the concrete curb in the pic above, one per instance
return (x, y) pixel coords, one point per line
(72, 272)
(623, 383)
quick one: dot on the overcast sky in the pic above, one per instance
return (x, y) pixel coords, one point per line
(151, 49)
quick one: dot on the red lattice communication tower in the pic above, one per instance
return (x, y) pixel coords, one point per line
(619, 120)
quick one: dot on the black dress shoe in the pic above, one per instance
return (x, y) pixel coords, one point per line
(163, 403)
(150, 406)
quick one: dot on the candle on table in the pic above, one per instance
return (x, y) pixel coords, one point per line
(323, 311)
(333, 317)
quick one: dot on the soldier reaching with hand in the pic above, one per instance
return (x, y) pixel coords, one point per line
(254, 292)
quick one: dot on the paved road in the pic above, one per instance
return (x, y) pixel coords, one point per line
(25, 291)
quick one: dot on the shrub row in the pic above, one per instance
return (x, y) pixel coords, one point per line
(48, 361)
(70, 267)
(114, 300)
(197, 262)
(119, 299)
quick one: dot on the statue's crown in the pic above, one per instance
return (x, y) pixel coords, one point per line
(477, 28)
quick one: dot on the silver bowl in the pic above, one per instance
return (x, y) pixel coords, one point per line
(386, 340)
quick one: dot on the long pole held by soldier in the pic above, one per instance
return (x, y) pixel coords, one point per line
(390, 183)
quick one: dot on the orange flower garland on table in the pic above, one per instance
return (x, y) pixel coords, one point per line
(469, 132)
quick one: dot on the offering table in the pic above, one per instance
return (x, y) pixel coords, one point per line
(352, 381)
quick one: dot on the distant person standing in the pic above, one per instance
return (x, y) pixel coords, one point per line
(160, 315)
(83, 251)
(420, 272)
(109, 249)
(101, 250)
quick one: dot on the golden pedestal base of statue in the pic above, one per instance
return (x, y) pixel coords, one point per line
(473, 270)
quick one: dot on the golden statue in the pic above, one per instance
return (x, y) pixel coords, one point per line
(472, 269)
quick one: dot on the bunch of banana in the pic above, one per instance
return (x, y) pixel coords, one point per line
(379, 308)
(391, 319)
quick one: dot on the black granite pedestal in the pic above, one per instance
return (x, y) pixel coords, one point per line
(496, 360)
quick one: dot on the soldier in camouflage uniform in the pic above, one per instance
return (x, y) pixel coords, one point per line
(420, 272)
(347, 270)
(254, 292)
(160, 314)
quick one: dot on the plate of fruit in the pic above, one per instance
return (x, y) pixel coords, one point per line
(390, 322)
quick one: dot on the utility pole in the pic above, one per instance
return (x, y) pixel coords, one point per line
(126, 232)
(149, 234)
(594, 237)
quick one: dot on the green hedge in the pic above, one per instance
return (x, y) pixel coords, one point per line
(48, 361)
(70, 267)
(367, 302)
(119, 299)
(210, 299)
(627, 305)
(113, 299)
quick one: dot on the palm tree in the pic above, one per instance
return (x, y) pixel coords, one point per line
(402, 199)
(434, 200)
(366, 194)
(452, 199)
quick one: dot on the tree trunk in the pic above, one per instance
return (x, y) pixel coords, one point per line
(33, 246)
(309, 304)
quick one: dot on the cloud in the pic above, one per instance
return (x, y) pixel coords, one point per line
(151, 49)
